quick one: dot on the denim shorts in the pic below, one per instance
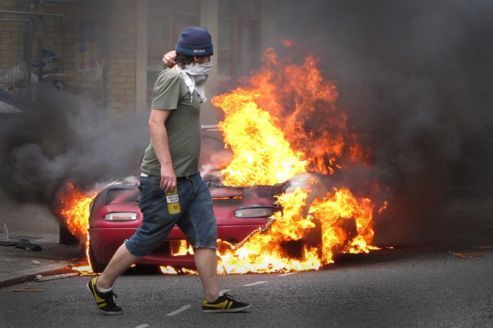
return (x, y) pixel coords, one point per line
(196, 220)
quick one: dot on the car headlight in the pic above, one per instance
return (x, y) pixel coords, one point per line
(120, 216)
(253, 212)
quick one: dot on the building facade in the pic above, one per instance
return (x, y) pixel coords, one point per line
(111, 50)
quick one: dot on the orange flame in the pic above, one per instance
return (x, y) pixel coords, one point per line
(180, 248)
(253, 163)
(167, 269)
(74, 207)
(285, 122)
(301, 104)
(301, 239)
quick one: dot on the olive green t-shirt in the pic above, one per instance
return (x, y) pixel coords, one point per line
(183, 125)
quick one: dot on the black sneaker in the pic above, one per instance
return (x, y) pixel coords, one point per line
(224, 303)
(104, 300)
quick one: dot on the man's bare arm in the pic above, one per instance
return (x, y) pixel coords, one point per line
(159, 141)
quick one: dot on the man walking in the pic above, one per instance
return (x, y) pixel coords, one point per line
(172, 190)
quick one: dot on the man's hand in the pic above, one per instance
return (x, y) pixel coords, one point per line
(169, 59)
(168, 178)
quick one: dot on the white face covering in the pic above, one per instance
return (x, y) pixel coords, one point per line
(195, 75)
(197, 69)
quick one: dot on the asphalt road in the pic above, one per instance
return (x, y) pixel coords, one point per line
(411, 288)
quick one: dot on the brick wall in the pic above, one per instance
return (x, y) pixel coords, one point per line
(121, 56)
(89, 34)
(11, 45)
(58, 34)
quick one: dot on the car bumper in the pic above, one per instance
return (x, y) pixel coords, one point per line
(105, 241)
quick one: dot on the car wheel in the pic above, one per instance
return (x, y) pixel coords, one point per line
(66, 237)
(95, 265)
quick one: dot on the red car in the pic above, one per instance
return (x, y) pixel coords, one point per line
(115, 215)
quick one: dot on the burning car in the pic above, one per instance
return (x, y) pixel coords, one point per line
(278, 140)
(115, 215)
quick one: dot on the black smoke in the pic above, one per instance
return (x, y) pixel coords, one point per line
(60, 136)
(414, 77)
(416, 80)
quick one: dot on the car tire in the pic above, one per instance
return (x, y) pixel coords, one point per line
(96, 266)
(65, 237)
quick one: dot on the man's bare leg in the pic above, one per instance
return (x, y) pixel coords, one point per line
(206, 263)
(119, 263)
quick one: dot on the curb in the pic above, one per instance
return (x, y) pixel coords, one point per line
(18, 277)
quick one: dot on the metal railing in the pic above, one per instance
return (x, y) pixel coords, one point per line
(21, 50)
